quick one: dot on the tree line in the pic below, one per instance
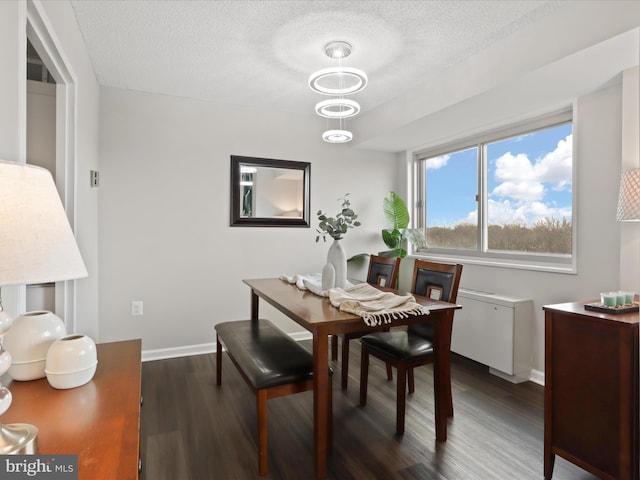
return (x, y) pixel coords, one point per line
(550, 235)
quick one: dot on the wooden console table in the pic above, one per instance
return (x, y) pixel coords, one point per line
(591, 391)
(99, 421)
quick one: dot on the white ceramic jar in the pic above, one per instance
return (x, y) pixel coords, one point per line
(28, 340)
(71, 361)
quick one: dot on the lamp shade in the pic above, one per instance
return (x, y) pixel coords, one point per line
(36, 241)
(629, 199)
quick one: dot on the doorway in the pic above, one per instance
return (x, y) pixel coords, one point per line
(41, 149)
(59, 297)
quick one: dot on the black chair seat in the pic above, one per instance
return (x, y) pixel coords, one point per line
(266, 355)
(399, 344)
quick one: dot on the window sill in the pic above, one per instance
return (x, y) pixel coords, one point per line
(563, 265)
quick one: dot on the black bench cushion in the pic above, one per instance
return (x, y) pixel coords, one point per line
(267, 355)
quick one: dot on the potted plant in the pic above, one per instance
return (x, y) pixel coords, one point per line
(334, 274)
(395, 236)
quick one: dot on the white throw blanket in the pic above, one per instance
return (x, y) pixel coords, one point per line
(309, 281)
(373, 305)
(299, 279)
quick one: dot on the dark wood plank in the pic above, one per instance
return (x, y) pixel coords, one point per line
(209, 432)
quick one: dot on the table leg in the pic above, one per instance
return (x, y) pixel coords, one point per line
(442, 373)
(254, 305)
(321, 413)
(549, 460)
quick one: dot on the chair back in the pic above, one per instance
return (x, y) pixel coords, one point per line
(435, 280)
(383, 271)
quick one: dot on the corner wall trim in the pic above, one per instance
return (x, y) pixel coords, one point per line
(175, 352)
(537, 377)
(201, 349)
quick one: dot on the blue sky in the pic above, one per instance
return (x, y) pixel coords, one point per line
(529, 180)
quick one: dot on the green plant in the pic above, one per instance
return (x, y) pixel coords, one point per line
(337, 226)
(395, 236)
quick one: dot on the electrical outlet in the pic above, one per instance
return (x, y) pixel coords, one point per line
(136, 308)
(94, 178)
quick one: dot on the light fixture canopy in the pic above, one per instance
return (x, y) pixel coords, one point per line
(337, 136)
(338, 49)
(629, 198)
(337, 108)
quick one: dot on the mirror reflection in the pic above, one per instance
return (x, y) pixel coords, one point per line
(271, 192)
(267, 192)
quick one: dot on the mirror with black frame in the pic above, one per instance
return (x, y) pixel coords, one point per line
(269, 193)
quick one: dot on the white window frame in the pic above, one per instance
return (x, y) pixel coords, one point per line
(527, 261)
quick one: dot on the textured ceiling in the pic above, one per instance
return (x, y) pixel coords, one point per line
(261, 53)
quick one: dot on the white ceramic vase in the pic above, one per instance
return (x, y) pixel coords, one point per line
(337, 257)
(328, 277)
(71, 361)
(28, 340)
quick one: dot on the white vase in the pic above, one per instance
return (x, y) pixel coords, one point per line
(328, 277)
(337, 257)
(71, 361)
(28, 340)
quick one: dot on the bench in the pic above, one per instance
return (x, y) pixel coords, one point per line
(270, 362)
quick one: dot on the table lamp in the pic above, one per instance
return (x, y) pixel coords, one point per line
(629, 197)
(36, 246)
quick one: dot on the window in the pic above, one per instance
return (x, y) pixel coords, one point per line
(502, 197)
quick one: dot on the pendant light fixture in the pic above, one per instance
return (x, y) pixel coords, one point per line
(338, 82)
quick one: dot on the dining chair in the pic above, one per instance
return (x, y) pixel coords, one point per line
(383, 271)
(413, 347)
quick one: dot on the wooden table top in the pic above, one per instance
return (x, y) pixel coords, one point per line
(312, 311)
(98, 421)
(577, 308)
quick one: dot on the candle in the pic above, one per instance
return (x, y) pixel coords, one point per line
(608, 299)
(628, 298)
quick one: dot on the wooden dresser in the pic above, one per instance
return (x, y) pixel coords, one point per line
(591, 391)
(99, 421)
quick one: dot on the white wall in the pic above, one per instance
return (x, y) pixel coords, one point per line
(165, 237)
(13, 122)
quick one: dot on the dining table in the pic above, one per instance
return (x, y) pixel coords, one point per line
(316, 314)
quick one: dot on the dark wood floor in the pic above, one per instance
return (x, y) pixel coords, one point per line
(193, 430)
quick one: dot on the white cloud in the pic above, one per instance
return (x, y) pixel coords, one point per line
(555, 167)
(437, 162)
(521, 179)
(506, 212)
(524, 190)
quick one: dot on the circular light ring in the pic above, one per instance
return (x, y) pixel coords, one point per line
(353, 80)
(337, 108)
(337, 136)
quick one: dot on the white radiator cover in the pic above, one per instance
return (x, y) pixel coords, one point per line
(495, 330)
